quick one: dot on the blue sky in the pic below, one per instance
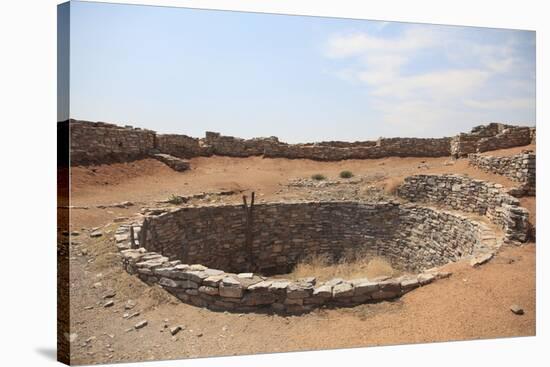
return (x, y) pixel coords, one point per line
(187, 71)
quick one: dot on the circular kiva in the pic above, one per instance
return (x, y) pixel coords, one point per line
(240, 252)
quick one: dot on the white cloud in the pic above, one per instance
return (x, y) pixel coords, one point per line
(503, 103)
(431, 93)
(433, 85)
(352, 44)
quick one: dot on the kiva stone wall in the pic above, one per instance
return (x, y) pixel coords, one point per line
(97, 142)
(411, 237)
(469, 195)
(247, 292)
(410, 234)
(520, 167)
(490, 137)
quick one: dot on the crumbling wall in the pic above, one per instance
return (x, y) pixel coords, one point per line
(99, 142)
(490, 137)
(520, 167)
(391, 147)
(476, 196)
(236, 147)
(181, 146)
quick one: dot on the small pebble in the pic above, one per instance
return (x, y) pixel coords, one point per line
(516, 309)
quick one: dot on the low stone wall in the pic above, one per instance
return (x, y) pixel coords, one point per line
(490, 137)
(283, 234)
(182, 146)
(513, 136)
(177, 164)
(160, 248)
(476, 196)
(520, 167)
(393, 147)
(247, 292)
(218, 144)
(98, 142)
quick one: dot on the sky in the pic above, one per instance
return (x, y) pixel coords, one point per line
(301, 78)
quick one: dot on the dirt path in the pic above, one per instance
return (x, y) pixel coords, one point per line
(471, 304)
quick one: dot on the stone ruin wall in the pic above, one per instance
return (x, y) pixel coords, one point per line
(410, 237)
(416, 237)
(181, 146)
(493, 136)
(98, 142)
(383, 147)
(520, 167)
(469, 195)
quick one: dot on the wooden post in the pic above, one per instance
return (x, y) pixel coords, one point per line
(249, 221)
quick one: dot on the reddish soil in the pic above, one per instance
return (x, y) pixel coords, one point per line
(471, 304)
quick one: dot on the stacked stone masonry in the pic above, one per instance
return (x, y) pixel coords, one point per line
(97, 142)
(470, 195)
(520, 167)
(285, 233)
(413, 237)
(177, 164)
(493, 136)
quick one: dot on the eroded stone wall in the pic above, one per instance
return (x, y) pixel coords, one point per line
(182, 146)
(490, 137)
(411, 237)
(98, 142)
(520, 167)
(392, 147)
(469, 195)
(218, 144)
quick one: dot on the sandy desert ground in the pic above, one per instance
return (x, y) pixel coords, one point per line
(473, 303)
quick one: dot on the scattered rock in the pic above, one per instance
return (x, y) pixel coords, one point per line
(481, 259)
(516, 310)
(95, 234)
(109, 304)
(140, 324)
(130, 304)
(129, 316)
(175, 330)
(109, 294)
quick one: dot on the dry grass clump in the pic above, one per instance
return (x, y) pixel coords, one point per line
(175, 199)
(349, 266)
(346, 174)
(318, 177)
